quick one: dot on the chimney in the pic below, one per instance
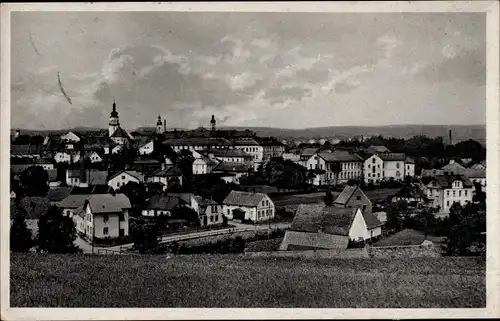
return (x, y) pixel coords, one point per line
(164, 125)
(449, 135)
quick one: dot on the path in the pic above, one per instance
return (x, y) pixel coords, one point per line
(238, 227)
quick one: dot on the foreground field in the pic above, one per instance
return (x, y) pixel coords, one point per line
(237, 281)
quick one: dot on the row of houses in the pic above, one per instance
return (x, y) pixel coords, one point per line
(108, 215)
(341, 166)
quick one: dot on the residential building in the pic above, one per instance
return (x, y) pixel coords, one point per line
(228, 155)
(67, 157)
(294, 157)
(119, 135)
(164, 176)
(203, 165)
(317, 227)
(26, 150)
(147, 165)
(70, 203)
(338, 167)
(121, 179)
(197, 143)
(377, 149)
(209, 211)
(84, 178)
(147, 148)
(70, 137)
(305, 155)
(477, 176)
(94, 157)
(251, 147)
(231, 172)
(57, 194)
(256, 206)
(53, 180)
(352, 197)
(444, 190)
(159, 205)
(103, 216)
(454, 168)
(384, 166)
(412, 194)
(409, 167)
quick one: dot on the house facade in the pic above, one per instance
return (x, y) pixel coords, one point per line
(121, 179)
(209, 211)
(338, 167)
(444, 190)
(256, 206)
(253, 148)
(103, 216)
(353, 197)
(385, 166)
(159, 205)
(147, 148)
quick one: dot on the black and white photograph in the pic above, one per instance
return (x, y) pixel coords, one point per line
(187, 155)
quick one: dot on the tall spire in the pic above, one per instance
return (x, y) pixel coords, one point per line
(114, 113)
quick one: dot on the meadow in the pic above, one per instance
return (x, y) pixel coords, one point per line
(237, 281)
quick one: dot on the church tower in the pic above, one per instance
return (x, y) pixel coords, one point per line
(212, 123)
(159, 126)
(114, 122)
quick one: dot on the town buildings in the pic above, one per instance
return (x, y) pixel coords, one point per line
(255, 206)
(335, 167)
(444, 190)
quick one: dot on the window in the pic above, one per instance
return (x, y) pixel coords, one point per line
(447, 203)
(105, 231)
(211, 218)
(447, 193)
(373, 160)
(358, 197)
(105, 218)
(67, 212)
(397, 165)
(123, 176)
(459, 193)
(228, 212)
(465, 192)
(122, 217)
(368, 165)
(378, 174)
(453, 193)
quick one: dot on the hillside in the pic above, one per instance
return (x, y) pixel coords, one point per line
(238, 281)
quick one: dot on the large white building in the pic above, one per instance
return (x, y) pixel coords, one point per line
(444, 190)
(338, 167)
(385, 166)
(256, 206)
(253, 148)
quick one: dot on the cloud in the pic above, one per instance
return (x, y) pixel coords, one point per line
(237, 53)
(262, 42)
(243, 80)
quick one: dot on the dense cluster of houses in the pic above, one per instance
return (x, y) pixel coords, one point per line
(89, 192)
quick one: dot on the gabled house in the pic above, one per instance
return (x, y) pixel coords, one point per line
(94, 157)
(159, 205)
(70, 137)
(53, 181)
(352, 197)
(409, 167)
(121, 179)
(84, 178)
(255, 206)
(146, 147)
(338, 167)
(411, 194)
(203, 165)
(375, 149)
(103, 216)
(57, 194)
(329, 227)
(70, 203)
(231, 172)
(164, 176)
(209, 211)
(444, 190)
(454, 168)
(385, 166)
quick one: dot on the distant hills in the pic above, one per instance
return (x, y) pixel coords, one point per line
(459, 132)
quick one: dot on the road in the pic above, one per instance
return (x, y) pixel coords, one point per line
(87, 248)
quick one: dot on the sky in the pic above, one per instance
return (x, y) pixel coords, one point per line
(284, 70)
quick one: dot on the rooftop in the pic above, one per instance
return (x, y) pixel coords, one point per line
(244, 198)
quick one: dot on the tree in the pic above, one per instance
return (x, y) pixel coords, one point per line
(479, 195)
(56, 233)
(21, 238)
(328, 199)
(136, 193)
(465, 229)
(186, 213)
(395, 214)
(145, 236)
(34, 181)
(154, 189)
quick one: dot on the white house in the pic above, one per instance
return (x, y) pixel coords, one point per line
(67, 157)
(69, 204)
(112, 149)
(444, 190)
(209, 211)
(94, 157)
(146, 148)
(203, 165)
(84, 178)
(328, 227)
(121, 179)
(164, 176)
(256, 206)
(197, 143)
(384, 166)
(349, 167)
(70, 137)
(253, 148)
(409, 167)
(477, 176)
(103, 216)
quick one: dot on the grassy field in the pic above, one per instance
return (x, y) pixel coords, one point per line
(238, 281)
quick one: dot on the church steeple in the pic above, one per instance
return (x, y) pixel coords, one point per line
(212, 123)
(114, 121)
(160, 127)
